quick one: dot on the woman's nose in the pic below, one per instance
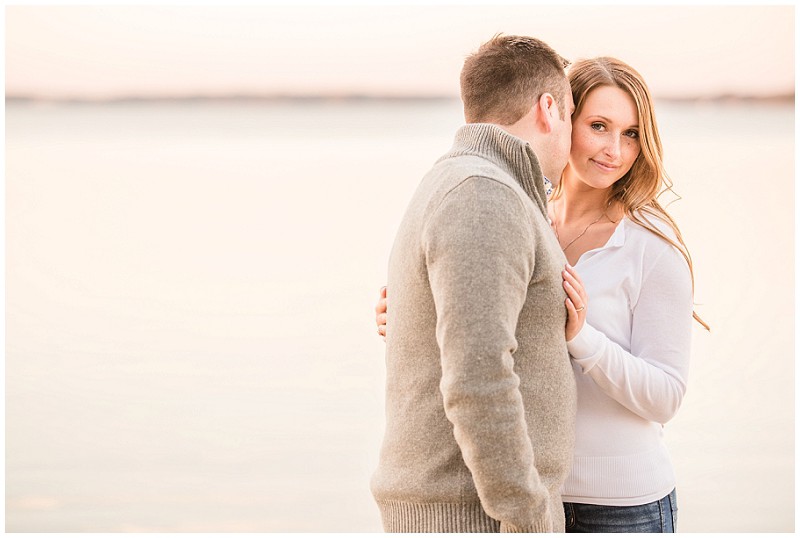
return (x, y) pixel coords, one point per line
(612, 149)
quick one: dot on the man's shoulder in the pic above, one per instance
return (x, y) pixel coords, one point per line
(456, 171)
(471, 165)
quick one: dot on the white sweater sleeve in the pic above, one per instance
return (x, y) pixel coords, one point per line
(650, 380)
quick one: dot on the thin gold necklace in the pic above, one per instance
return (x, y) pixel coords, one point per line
(555, 226)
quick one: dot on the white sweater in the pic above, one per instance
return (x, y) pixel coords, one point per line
(631, 361)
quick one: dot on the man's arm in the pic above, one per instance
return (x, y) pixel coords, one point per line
(479, 246)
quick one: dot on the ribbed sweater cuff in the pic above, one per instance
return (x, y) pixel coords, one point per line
(401, 516)
(545, 525)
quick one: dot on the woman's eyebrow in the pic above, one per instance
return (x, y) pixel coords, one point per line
(635, 125)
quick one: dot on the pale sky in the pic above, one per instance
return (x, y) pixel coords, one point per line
(108, 51)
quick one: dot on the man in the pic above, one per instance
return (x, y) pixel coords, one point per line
(480, 394)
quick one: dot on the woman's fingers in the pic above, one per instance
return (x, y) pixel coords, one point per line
(574, 320)
(571, 310)
(576, 284)
(380, 308)
(575, 302)
(573, 294)
(575, 277)
(570, 277)
(380, 313)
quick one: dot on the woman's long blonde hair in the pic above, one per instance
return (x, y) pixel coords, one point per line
(638, 190)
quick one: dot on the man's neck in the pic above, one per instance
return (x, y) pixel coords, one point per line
(521, 130)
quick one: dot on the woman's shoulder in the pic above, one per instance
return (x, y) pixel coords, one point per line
(644, 224)
(654, 247)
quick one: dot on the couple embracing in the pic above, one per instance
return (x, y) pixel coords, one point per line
(512, 404)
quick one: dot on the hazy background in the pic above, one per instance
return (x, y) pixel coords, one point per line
(198, 217)
(99, 52)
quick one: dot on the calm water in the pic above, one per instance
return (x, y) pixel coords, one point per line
(189, 330)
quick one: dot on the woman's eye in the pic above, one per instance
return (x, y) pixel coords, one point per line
(597, 126)
(632, 134)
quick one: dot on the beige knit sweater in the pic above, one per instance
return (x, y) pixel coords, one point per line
(480, 394)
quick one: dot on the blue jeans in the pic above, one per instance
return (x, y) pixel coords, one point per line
(657, 516)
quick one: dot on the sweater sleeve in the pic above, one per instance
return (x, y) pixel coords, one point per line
(650, 380)
(479, 252)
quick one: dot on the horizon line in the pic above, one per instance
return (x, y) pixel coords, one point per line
(341, 97)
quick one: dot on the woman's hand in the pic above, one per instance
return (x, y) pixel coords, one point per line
(575, 302)
(380, 313)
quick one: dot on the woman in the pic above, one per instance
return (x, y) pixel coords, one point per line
(630, 349)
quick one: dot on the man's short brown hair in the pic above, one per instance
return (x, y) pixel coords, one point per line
(507, 75)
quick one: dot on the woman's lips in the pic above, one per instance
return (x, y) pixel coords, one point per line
(603, 166)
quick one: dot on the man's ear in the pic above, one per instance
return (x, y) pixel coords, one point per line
(547, 111)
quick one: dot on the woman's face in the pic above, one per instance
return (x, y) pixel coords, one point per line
(605, 137)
